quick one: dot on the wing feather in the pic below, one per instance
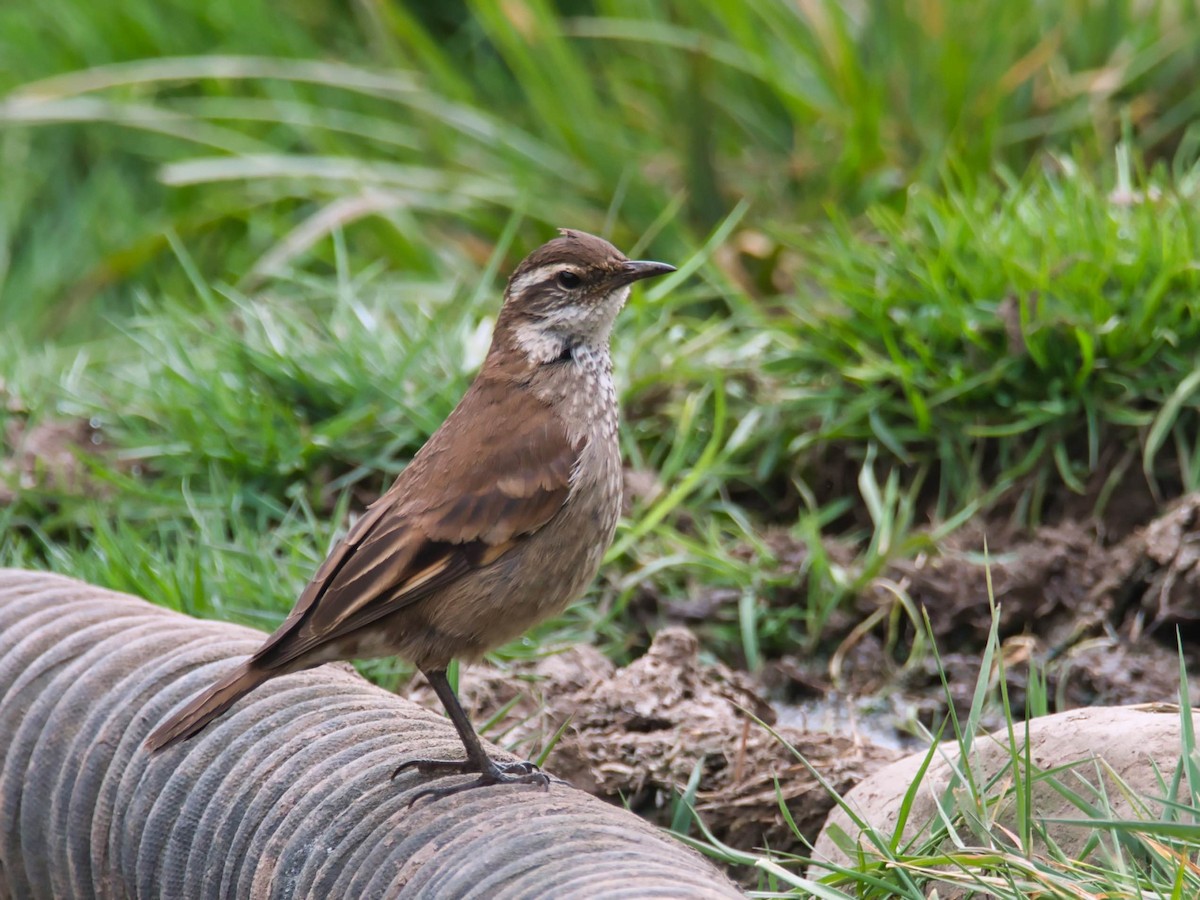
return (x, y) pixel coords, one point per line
(498, 469)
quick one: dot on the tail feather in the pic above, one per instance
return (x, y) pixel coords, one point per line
(207, 706)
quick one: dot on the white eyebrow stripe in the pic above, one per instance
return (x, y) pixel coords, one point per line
(534, 276)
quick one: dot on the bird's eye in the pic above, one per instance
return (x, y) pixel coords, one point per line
(568, 280)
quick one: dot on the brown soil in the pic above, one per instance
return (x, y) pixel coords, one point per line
(1097, 618)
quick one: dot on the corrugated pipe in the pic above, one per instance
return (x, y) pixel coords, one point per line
(289, 795)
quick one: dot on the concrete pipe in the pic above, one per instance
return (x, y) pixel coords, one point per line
(288, 795)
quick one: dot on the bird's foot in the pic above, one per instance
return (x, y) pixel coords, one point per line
(493, 773)
(465, 767)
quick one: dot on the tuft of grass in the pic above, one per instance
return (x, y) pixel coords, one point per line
(987, 835)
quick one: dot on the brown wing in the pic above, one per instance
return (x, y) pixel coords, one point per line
(497, 470)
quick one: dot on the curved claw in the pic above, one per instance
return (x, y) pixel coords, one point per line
(540, 779)
(464, 767)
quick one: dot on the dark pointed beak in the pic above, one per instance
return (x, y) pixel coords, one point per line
(636, 269)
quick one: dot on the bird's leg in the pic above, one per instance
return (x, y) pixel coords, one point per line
(490, 772)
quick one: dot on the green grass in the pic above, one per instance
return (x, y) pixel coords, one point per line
(253, 134)
(987, 836)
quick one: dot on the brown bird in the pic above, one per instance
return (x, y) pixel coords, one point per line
(499, 521)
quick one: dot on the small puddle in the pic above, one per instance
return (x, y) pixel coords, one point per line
(876, 719)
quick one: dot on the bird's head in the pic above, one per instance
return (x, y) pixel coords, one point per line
(566, 295)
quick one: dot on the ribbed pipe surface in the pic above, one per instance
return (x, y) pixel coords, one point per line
(286, 796)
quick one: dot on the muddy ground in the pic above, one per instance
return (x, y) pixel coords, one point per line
(1098, 617)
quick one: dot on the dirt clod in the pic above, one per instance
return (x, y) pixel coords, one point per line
(1098, 621)
(1045, 581)
(1153, 577)
(636, 735)
(47, 455)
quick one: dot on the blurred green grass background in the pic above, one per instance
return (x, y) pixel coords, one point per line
(937, 263)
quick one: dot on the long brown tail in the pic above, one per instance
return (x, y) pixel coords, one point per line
(207, 706)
